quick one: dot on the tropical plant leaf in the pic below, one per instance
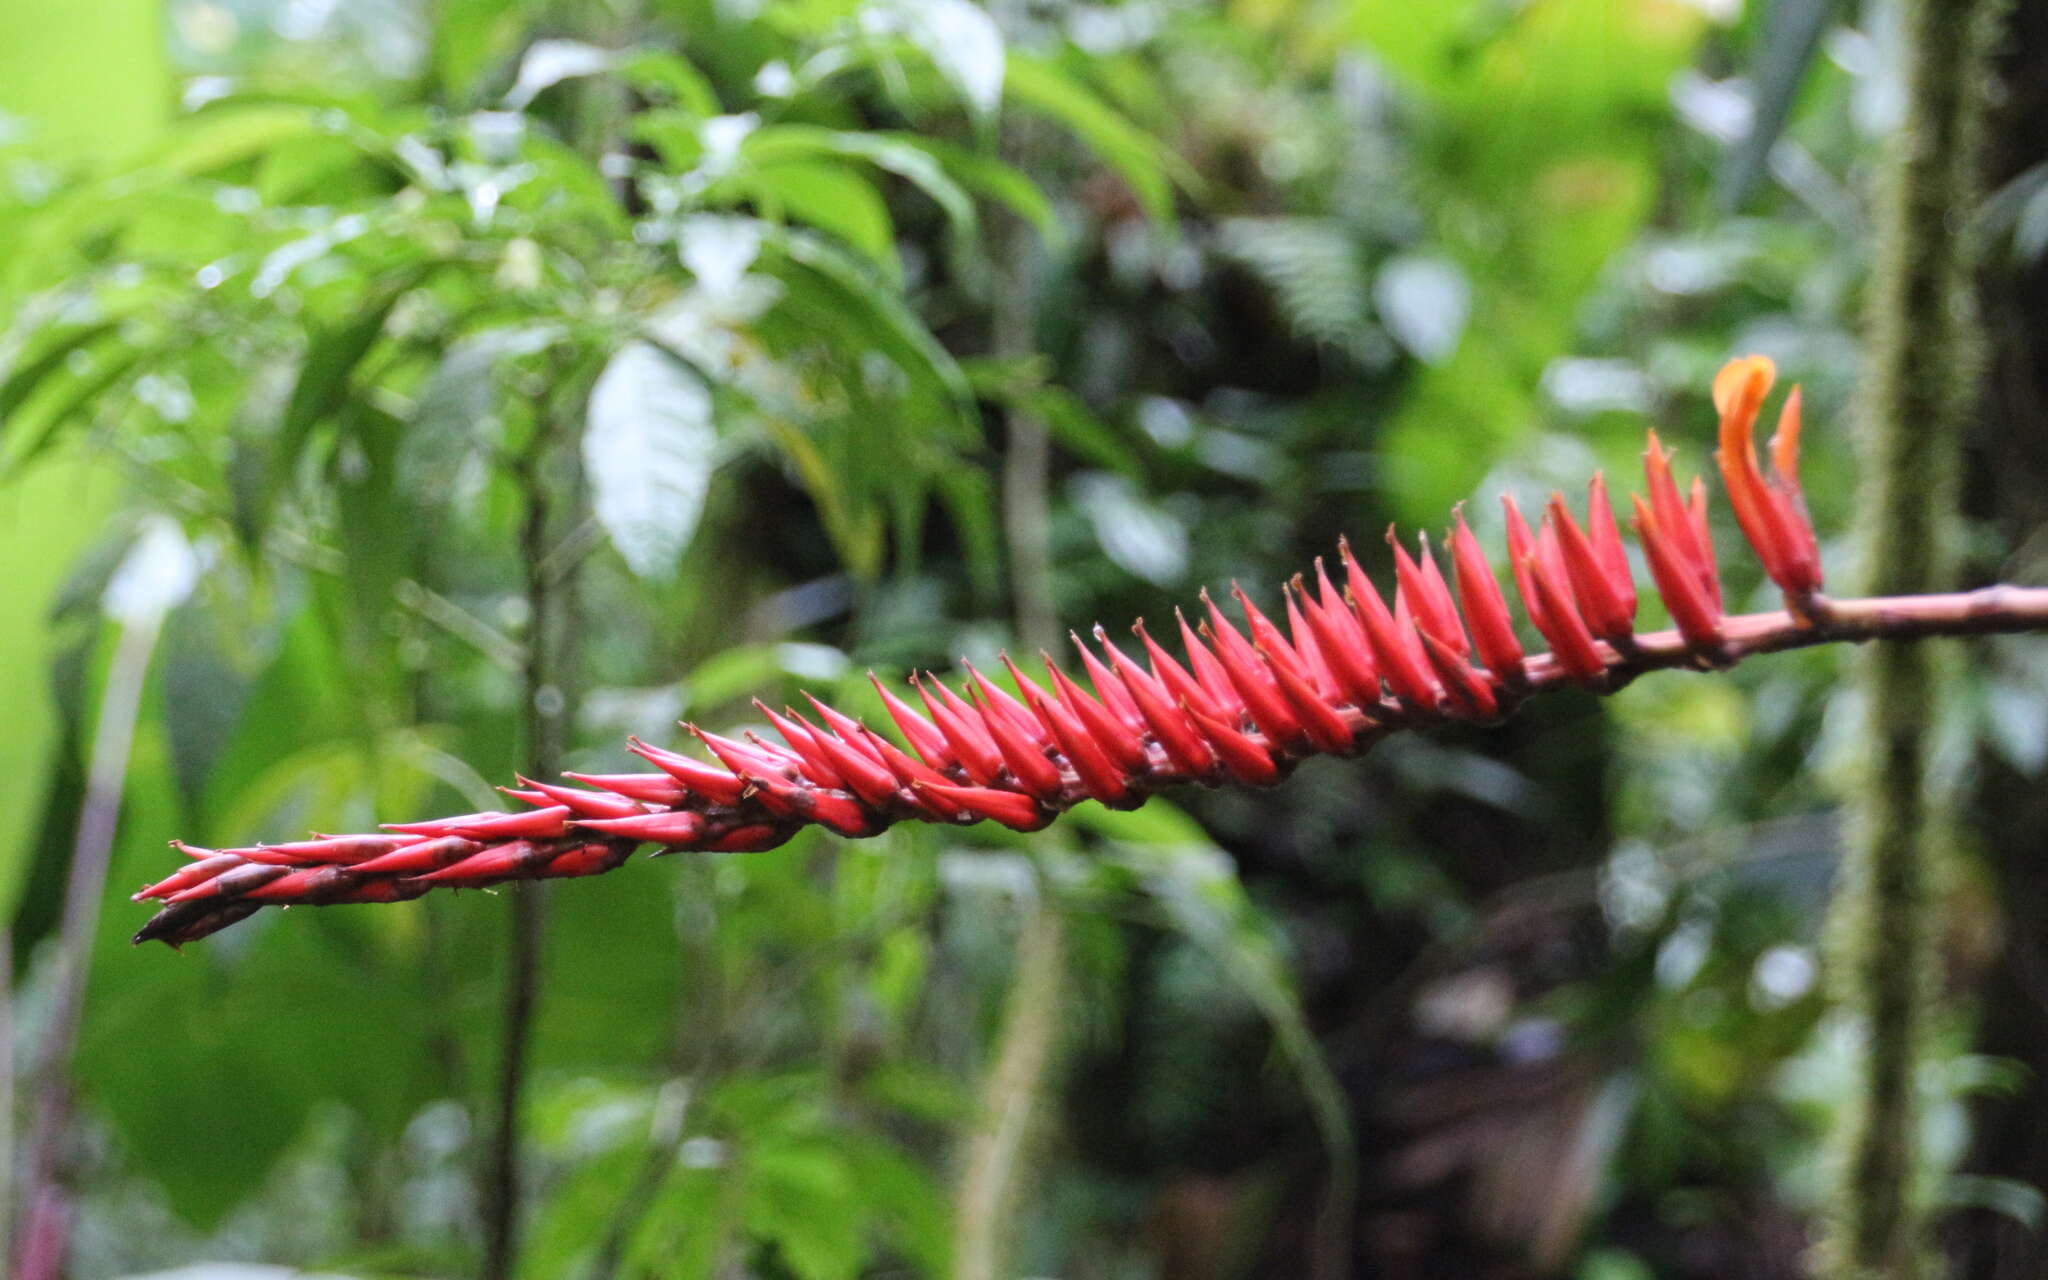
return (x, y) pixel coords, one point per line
(649, 448)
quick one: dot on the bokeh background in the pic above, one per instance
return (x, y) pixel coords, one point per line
(396, 393)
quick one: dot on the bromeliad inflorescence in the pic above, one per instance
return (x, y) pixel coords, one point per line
(1241, 706)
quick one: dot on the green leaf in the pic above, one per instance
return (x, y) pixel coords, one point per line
(1065, 415)
(992, 179)
(547, 63)
(970, 498)
(896, 326)
(1141, 160)
(832, 199)
(649, 447)
(375, 546)
(470, 38)
(960, 38)
(898, 155)
(331, 359)
(1785, 53)
(228, 133)
(40, 424)
(23, 380)
(667, 74)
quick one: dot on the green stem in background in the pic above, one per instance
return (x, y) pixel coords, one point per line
(546, 711)
(547, 702)
(44, 1209)
(1923, 361)
(997, 1148)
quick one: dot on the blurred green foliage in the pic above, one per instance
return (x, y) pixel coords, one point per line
(1541, 1000)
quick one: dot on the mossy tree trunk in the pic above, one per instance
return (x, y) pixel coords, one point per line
(1922, 378)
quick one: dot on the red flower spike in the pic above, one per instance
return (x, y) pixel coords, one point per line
(1784, 448)
(1025, 758)
(961, 725)
(1097, 774)
(1307, 648)
(922, 735)
(440, 826)
(1803, 544)
(588, 860)
(428, 855)
(1521, 554)
(232, 883)
(1176, 735)
(1464, 688)
(779, 796)
(1027, 688)
(1428, 600)
(1343, 643)
(1703, 537)
(857, 765)
(1440, 591)
(1209, 673)
(909, 771)
(586, 804)
(1396, 652)
(1604, 612)
(652, 788)
(788, 798)
(544, 823)
(1254, 683)
(310, 885)
(536, 824)
(1570, 642)
(852, 733)
(495, 864)
(1696, 619)
(1607, 545)
(840, 813)
(1178, 684)
(270, 857)
(753, 837)
(192, 873)
(713, 782)
(997, 701)
(1572, 575)
(1769, 512)
(756, 757)
(811, 762)
(1319, 722)
(1108, 687)
(1265, 637)
(1404, 621)
(1032, 694)
(1682, 532)
(1242, 758)
(677, 827)
(331, 849)
(1117, 740)
(1486, 609)
(1017, 812)
(380, 891)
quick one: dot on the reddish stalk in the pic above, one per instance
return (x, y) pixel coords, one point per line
(1242, 709)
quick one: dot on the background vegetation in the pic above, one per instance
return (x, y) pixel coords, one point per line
(397, 394)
